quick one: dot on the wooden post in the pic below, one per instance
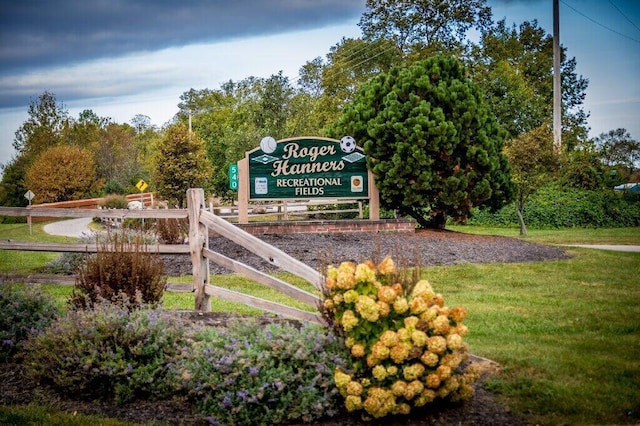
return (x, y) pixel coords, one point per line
(243, 190)
(374, 198)
(198, 239)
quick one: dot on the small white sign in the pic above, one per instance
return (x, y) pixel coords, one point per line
(29, 195)
(357, 184)
(261, 186)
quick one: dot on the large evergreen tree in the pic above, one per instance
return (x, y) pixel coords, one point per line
(432, 142)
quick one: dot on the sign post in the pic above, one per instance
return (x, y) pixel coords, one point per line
(142, 185)
(29, 196)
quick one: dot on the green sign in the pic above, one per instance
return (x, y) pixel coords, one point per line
(233, 177)
(305, 168)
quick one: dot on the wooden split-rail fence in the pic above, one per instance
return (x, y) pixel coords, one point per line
(201, 222)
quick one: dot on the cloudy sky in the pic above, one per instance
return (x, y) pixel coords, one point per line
(125, 57)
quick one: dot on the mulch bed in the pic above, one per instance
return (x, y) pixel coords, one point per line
(422, 248)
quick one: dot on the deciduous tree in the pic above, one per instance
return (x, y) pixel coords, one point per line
(618, 148)
(431, 25)
(514, 67)
(62, 173)
(43, 129)
(533, 164)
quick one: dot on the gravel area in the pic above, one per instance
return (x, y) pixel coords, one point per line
(423, 248)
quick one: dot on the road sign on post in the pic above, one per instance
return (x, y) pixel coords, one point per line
(141, 185)
(29, 196)
(233, 177)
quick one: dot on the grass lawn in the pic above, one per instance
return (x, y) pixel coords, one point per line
(616, 236)
(27, 262)
(566, 333)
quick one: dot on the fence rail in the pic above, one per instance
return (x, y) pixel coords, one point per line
(200, 221)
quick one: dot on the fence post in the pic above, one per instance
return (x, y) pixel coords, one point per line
(243, 190)
(198, 239)
(374, 198)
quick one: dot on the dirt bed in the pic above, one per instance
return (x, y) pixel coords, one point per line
(423, 248)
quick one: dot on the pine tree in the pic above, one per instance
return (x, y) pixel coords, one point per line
(432, 142)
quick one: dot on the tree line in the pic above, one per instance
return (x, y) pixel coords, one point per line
(448, 124)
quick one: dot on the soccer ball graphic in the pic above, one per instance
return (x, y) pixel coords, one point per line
(348, 144)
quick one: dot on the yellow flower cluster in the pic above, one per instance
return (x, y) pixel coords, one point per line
(408, 343)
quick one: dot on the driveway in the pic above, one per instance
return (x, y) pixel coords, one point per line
(70, 228)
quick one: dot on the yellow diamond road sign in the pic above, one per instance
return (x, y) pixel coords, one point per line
(141, 185)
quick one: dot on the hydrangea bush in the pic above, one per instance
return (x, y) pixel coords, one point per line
(406, 345)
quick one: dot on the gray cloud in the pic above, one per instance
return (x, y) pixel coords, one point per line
(43, 33)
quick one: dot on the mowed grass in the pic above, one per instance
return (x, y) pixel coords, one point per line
(615, 236)
(566, 333)
(27, 262)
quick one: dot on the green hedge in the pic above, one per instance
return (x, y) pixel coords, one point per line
(554, 206)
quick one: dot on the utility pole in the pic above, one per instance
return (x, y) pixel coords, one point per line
(557, 82)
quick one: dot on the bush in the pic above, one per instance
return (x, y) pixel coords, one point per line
(109, 353)
(113, 201)
(320, 208)
(114, 187)
(406, 345)
(254, 374)
(69, 263)
(172, 231)
(23, 312)
(555, 206)
(122, 266)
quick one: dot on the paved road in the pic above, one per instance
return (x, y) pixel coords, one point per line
(70, 228)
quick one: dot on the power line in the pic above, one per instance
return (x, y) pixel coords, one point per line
(598, 23)
(625, 16)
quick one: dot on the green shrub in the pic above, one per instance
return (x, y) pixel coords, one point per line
(113, 201)
(321, 208)
(384, 213)
(109, 353)
(255, 374)
(122, 266)
(23, 311)
(555, 206)
(138, 224)
(114, 187)
(66, 264)
(69, 263)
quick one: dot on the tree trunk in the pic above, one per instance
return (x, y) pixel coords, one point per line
(440, 220)
(434, 222)
(523, 226)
